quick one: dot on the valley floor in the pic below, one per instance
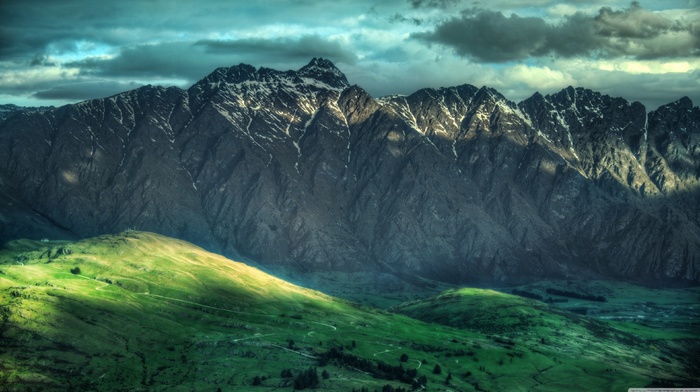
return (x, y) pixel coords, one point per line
(138, 311)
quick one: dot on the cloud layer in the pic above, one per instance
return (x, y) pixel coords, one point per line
(490, 36)
(56, 52)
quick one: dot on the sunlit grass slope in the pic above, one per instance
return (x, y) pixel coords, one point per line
(564, 350)
(139, 311)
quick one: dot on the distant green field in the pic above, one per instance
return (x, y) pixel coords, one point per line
(652, 312)
(139, 311)
(595, 354)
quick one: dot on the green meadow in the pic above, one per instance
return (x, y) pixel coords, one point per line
(139, 311)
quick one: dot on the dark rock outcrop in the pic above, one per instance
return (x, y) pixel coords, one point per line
(299, 168)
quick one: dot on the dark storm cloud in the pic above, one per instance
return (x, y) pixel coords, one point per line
(80, 91)
(398, 18)
(41, 60)
(634, 22)
(164, 60)
(192, 60)
(67, 50)
(646, 35)
(493, 37)
(303, 48)
(442, 4)
(29, 27)
(154, 41)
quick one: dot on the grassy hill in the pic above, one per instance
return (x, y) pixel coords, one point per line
(652, 312)
(564, 349)
(139, 311)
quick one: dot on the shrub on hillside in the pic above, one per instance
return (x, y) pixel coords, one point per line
(306, 379)
(437, 369)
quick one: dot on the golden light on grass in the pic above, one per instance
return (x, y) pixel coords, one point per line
(139, 310)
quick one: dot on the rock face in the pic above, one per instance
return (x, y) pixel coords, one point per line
(299, 168)
(9, 110)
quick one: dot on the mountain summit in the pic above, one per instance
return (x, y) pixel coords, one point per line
(324, 71)
(319, 72)
(299, 169)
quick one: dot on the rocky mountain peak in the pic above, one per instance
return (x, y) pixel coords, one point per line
(8, 110)
(236, 74)
(686, 101)
(325, 71)
(297, 168)
(682, 113)
(536, 97)
(319, 73)
(684, 104)
(577, 97)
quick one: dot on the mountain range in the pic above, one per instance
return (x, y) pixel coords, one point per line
(300, 169)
